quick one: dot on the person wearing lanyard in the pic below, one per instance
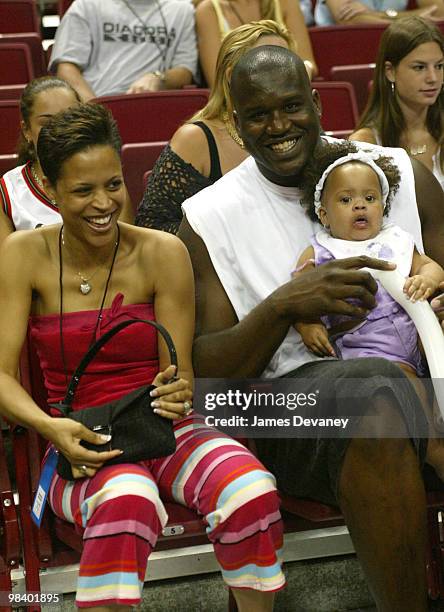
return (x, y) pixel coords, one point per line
(125, 46)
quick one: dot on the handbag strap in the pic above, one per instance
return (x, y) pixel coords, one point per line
(66, 405)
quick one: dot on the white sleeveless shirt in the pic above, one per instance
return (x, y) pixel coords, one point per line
(24, 202)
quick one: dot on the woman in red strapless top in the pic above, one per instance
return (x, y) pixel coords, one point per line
(77, 281)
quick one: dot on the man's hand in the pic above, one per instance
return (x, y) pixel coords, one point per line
(147, 82)
(351, 9)
(428, 12)
(438, 305)
(326, 290)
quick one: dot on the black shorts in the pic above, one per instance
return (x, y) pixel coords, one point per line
(311, 467)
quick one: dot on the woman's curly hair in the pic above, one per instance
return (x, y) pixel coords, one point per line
(327, 154)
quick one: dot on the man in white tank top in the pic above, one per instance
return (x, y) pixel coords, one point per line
(241, 234)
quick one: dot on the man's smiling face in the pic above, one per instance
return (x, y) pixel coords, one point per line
(278, 119)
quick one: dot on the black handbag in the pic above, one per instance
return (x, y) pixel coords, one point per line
(134, 427)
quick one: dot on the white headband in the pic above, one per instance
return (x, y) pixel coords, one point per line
(366, 157)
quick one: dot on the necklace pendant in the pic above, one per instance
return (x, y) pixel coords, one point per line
(85, 288)
(419, 150)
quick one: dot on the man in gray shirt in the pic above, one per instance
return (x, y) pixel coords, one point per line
(105, 47)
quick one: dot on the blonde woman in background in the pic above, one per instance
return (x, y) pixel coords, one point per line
(215, 18)
(207, 146)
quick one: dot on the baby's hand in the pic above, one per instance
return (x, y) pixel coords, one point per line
(419, 287)
(315, 338)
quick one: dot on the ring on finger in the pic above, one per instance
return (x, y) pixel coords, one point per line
(187, 408)
(82, 468)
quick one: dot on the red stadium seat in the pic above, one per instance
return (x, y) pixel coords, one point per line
(10, 546)
(16, 63)
(137, 159)
(339, 108)
(57, 542)
(9, 125)
(7, 162)
(34, 42)
(19, 16)
(359, 76)
(11, 92)
(63, 6)
(153, 116)
(340, 45)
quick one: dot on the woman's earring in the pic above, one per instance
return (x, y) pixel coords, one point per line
(392, 83)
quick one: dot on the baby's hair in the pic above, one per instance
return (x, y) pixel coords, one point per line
(329, 153)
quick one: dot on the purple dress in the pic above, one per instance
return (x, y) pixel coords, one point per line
(387, 331)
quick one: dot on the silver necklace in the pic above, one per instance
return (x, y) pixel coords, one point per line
(85, 285)
(417, 150)
(36, 178)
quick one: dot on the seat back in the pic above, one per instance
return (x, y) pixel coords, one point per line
(359, 75)
(339, 108)
(11, 92)
(138, 158)
(19, 16)
(335, 45)
(34, 42)
(7, 162)
(9, 125)
(16, 63)
(153, 116)
(63, 6)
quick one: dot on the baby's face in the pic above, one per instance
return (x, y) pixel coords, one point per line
(351, 203)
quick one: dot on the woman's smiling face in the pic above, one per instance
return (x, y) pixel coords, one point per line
(90, 192)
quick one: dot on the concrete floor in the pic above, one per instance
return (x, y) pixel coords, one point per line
(323, 585)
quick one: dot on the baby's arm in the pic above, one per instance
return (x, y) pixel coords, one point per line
(425, 277)
(314, 335)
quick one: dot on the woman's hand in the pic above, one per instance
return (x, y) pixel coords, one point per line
(66, 436)
(173, 400)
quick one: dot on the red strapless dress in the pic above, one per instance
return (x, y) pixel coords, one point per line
(127, 361)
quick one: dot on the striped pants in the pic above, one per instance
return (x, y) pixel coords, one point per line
(120, 513)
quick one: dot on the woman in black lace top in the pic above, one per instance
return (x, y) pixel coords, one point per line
(208, 146)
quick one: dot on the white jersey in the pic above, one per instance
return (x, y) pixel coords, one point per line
(24, 201)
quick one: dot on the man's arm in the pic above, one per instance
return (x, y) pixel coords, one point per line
(430, 201)
(347, 12)
(71, 73)
(352, 11)
(226, 347)
(73, 45)
(174, 78)
(208, 39)
(223, 346)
